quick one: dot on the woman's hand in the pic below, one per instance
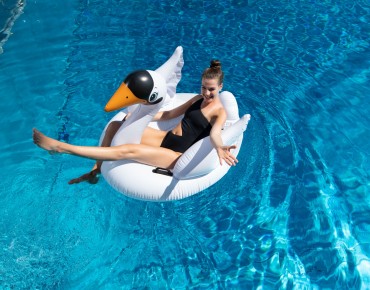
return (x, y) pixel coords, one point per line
(224, 153)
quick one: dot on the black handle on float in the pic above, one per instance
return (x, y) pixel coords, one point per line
(162, 171)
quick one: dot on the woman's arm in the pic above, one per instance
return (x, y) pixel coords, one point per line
(223, 151)
(175, 112)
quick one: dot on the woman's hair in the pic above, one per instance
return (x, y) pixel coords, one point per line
(214, 71)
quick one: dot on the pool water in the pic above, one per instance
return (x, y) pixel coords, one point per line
(294, 213)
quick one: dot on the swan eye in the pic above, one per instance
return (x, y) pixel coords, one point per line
(153, 97)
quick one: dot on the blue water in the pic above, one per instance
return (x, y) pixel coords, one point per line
(294, 213)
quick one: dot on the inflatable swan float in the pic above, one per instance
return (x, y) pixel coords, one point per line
(147, 92)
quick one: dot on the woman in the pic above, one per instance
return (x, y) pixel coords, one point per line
(203, 115)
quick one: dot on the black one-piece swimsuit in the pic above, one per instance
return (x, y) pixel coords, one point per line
(194, 127)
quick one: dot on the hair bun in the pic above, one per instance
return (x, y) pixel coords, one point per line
(215, 64)
(214, 71)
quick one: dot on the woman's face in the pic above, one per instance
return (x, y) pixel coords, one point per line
(210, 89)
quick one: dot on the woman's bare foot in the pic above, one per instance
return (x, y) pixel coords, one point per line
(46, 143)
(91, 177)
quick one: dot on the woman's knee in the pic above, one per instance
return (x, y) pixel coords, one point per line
(126, 151)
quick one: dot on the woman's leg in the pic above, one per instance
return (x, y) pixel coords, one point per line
(92, 176)
(155, 156)
(152, 137)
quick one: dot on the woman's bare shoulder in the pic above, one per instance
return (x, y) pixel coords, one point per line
(196, 98)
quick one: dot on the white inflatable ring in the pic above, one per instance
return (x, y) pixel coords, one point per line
(197, 168)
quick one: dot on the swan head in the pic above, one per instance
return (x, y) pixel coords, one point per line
(139, 87)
